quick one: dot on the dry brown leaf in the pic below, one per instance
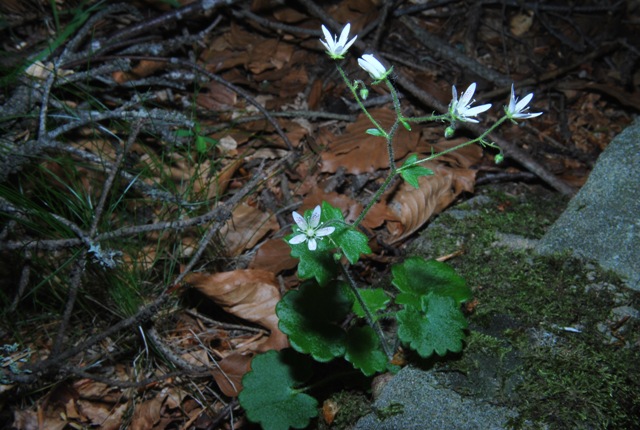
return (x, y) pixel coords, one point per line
(274, 256)
(520, 23)
(143, 69)
(28, 420)
(246, 228)
(147, 414)
(103, 415)
(217, 97)
(288, 15)
(414, 206)
(232, 369)
(464, 158)
(269, 54)
(350, 208)
(358, 152)
(248, 294)
(92, 390)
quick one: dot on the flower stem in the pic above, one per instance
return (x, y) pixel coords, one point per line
(375, 198)
(370, 320)
(479, 139)
(354, 91)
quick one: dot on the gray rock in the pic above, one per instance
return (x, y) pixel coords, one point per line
(602, 221)
(414, 400)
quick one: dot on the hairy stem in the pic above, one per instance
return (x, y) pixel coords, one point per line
(368, 316)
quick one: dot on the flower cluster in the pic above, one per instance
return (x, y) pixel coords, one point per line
(310, 229)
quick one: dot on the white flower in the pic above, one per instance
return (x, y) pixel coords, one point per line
(309, 230)
(461, 109)
(517, 109)
(374, 67)
(336, 48)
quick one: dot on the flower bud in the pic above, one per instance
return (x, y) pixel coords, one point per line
(449, 132)
(364, 93)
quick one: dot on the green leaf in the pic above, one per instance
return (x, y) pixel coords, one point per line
(417, 277)
(375, 132)
(204, 143)
(311, 317)
(318, 264)
(374, 298)
(364, 351)
(182, 132)
(268, 393)
(438, 326)
(351, 241)
(412, 173)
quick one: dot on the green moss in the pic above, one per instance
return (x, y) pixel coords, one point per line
(526, 302)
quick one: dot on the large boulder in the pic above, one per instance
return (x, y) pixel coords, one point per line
(602, 221)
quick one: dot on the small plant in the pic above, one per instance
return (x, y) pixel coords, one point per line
(426, 307)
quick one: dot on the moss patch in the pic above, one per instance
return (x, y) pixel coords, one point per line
(544, 331)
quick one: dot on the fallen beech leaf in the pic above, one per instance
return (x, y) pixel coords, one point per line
(28, 420)
(217, 97)
(464, 157)
(414, 206)
(248, 294)
(378, 214)
(230, 371)
(147, 414)
(274, 256)
(358, 152)
(246, 228)
(103, 415)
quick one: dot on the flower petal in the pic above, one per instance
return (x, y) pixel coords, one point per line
(325, 231)
(328, 37)
(348, 45)
(524, 102)
(312, 244)
(371, 65)
(344, 35)
(477, 110)
(297, 239)
(512, 100)
(315, 217)
(465, 98)
(300, 221)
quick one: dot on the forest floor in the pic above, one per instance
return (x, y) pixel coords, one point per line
(152, 153)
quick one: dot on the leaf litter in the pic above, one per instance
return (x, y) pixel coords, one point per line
(289, 71)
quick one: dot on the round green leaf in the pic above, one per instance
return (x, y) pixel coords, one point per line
(438, 326)
(374, 298)
(351, 241)
(268, 395)
(364, 351)
(417, 277)
(318, 264)
(311, 317)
